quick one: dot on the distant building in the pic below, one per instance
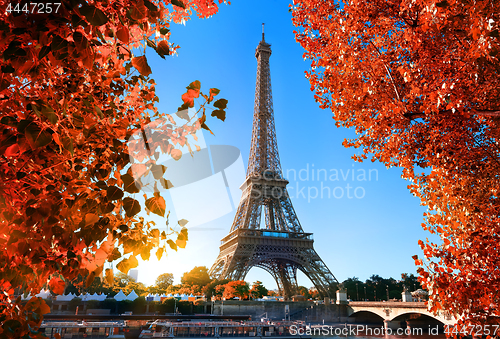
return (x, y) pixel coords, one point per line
(133, 274)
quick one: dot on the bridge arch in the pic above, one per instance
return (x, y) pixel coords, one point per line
(416, 317)
(367, 317)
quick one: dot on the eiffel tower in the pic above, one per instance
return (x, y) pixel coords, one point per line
(280, 246)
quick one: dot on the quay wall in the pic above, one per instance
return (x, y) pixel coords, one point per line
(276, 310)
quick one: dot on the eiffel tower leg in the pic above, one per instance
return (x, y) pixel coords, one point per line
(288, 275)
(271, 269)
(319, 274)
(285, 275)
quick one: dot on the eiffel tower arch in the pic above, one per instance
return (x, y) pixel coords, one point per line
(280, 246)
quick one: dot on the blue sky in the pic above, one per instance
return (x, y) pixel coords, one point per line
(373, 233)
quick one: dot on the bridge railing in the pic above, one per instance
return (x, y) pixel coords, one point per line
(415, 304)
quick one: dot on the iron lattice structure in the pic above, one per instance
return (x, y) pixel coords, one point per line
(280, 246)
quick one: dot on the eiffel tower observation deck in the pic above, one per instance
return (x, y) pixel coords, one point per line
(279, 245)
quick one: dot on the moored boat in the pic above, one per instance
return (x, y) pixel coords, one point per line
(83, 329)
(219, 329)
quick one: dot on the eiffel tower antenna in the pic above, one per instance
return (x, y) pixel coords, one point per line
(280, 246)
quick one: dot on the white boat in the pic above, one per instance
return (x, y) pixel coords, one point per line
(220, 329)
(83, 329)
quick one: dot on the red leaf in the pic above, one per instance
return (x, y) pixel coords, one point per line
(141, 63)
(123, 35)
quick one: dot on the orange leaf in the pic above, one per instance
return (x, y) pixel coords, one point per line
(109, 276)
(44, 308)
(156, 205)
(176, 154)
(91, 218)
(159, 253)
(57, 285)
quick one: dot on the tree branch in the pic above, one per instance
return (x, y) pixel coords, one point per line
(488, 113)
(388, 72)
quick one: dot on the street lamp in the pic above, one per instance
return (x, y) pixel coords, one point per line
(365, 293)
(357, 294)
(387, 288)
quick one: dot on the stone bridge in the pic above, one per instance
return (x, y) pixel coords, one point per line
(395, 313)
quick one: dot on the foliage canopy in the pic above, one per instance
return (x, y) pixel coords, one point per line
(73, 90)
(418, 80)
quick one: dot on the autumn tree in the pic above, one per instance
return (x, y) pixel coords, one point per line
(313, 292)
(197, 276)
(219, 291)
(418, 80)
(138, 287)
(75, 86)
(258, 290)
(209, 290)
(121, 279)
(173, 289)
(236, 289)
(190, 289)
(302, 290)
(164, 280)
(126, 283)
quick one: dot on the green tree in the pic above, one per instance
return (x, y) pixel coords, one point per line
(258, 290)
(139, 305)
(167, 305)
(185, 307)
(410, 281)
(304, 291)
(352, 285)
(110, 304)
(198, 306)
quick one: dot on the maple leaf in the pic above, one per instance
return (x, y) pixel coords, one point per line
(126, 264)
(213, 92)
